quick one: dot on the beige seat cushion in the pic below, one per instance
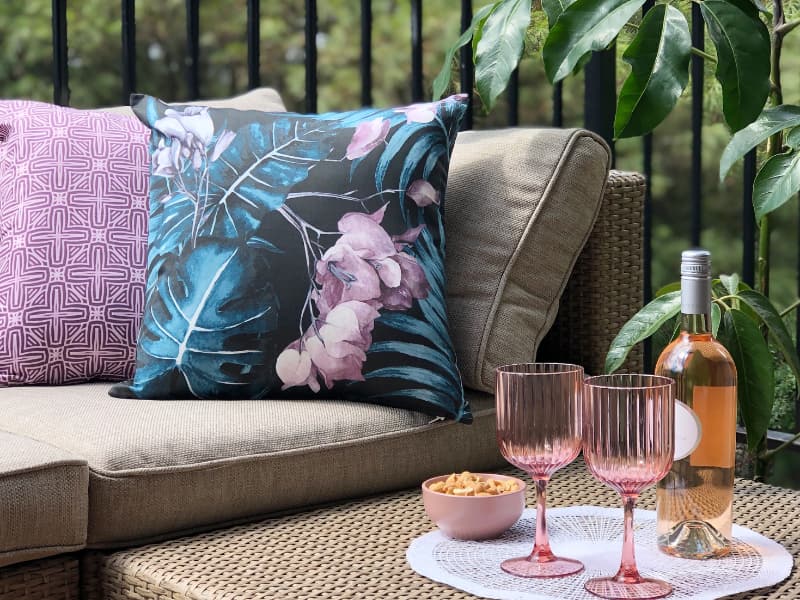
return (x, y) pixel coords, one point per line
(160, 468)
(43, 500)
(266, 99)
(520, 206)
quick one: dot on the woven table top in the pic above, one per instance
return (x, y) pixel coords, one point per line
(357, 549)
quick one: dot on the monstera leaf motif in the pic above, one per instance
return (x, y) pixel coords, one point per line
(254, 174)
(205, 330)
(171, 225)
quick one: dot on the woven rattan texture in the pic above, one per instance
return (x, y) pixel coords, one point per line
(357, 549)
(605, 289)
(46, 579)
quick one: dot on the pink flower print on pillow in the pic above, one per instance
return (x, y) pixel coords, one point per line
(366, 270)
(423, 193)
(367, 136)
(334, 347)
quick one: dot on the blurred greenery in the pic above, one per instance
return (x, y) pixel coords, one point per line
(95, 80)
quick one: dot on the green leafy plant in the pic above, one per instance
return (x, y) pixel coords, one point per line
(747, 39)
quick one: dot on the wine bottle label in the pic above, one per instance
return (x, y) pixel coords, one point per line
(715, 406)
(688, 430)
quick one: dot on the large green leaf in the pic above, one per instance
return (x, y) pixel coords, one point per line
(500, 47)
(731, 283)
(756, 385)
(793, 138)
(769, 122)
(716, 318)
(659, 60)
(776, 182)
(743, 49)
(583, 27)
(442, 81)
(746, 6)
(553, 9)
(641, 326)
(762, 306)
(675, 286)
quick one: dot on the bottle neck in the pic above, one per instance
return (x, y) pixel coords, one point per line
(695, 305)
(695, 324)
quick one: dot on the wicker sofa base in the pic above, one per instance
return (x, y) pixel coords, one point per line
(55, 578)
(357, 549)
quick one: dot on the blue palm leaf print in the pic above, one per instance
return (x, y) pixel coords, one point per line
(204, 329)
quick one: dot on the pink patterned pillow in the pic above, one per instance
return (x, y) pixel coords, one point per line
(73, 243)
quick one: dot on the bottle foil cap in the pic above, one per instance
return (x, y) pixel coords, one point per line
(696, 264)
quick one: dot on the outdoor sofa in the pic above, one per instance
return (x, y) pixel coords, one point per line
(83, 475)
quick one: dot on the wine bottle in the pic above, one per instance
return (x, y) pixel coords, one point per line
(694, 501)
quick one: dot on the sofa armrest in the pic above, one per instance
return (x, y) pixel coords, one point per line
(606, 285)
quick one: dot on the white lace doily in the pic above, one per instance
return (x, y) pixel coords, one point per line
(593, 535)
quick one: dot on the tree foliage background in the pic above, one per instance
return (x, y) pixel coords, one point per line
(95, 80)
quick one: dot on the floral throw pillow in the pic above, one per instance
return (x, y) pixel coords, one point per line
(295, 255)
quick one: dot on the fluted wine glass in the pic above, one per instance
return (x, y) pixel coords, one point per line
(539, 431)
(629, 431)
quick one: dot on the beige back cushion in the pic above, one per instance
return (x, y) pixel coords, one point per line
(266, 99)
(520, 206)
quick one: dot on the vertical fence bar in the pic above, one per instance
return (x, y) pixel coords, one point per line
(558, 104)
(253, 43)
(467, 69)
(513, 98)
(60, 71)
(366, 52)
(417, 92)
(696, 186)
(128, 49)
(600, 94)
(193, 48)
(647, 234)
(748, 220)
(312, 24)
(647, 220)
(797, 332)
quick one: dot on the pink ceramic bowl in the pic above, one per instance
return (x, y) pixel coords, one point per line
(474, 517)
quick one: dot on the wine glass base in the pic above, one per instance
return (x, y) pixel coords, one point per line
(525, 566)
(645, 589)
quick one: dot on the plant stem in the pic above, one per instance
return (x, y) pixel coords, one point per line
(769, 453)
(790, 308)
(775, 144)
(787, 27)
(705, 55)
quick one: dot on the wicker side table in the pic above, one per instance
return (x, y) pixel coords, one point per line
(357, 550)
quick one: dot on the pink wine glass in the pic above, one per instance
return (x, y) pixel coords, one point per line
(539, 431)
(629, 431)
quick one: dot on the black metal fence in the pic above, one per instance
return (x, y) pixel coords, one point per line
(599, 97)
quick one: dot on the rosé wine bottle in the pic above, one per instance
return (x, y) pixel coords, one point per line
(694, 501)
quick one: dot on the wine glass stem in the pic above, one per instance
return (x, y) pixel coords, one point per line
(541, 549)
(628, 573)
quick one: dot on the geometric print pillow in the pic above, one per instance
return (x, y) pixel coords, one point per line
(298, 256)
(73, 233)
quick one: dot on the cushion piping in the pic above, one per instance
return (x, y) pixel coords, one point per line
(576, 135)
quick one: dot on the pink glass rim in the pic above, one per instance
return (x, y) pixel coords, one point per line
(522, 369)
(625, 381)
